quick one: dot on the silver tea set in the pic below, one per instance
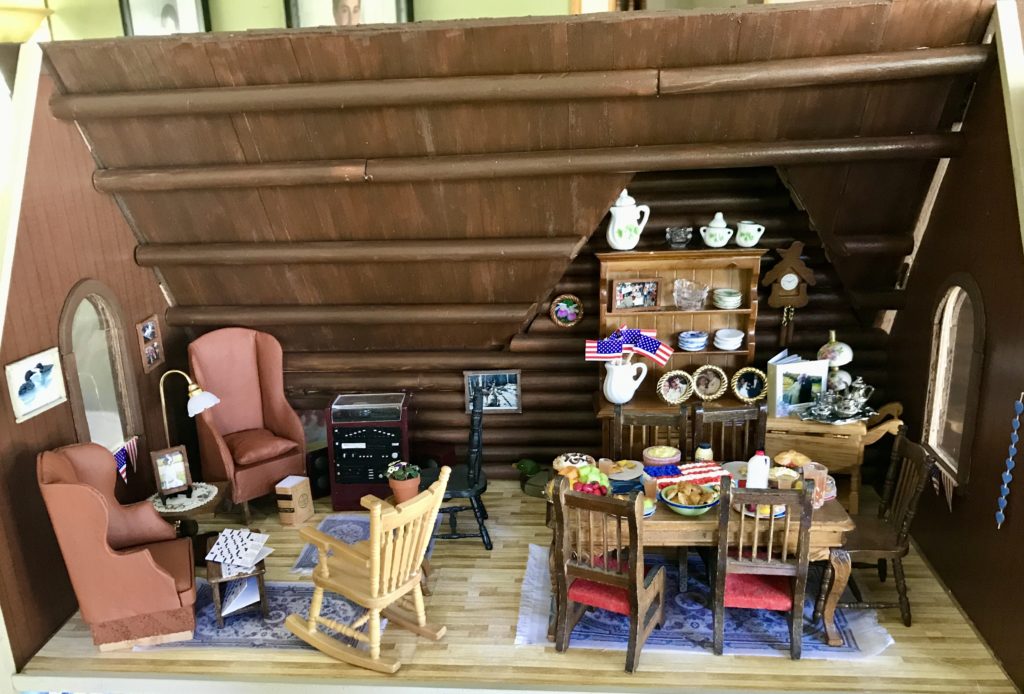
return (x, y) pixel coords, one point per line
(843, 406)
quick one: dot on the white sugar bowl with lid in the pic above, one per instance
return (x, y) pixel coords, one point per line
(717, 232)
(627, 222)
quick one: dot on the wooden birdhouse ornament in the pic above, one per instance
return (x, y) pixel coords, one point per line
(789, 280)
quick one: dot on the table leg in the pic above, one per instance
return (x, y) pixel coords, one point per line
(839, 560)
(215, 588)
(264, 605)
(553, 612)
(855, 491)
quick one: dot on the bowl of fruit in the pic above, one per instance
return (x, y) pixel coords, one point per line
(688, 499)
(591, 480)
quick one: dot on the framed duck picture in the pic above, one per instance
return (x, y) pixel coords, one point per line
(35, 384)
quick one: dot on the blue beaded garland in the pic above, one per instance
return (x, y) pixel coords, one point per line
(1007, 476)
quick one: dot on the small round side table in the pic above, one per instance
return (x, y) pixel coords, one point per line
(181, 510)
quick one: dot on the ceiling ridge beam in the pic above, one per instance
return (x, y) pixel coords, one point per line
(344, 252)
(766, 74)
(435, 360)
(495, 165)
(379, 314)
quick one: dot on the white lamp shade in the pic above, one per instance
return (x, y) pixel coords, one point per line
(201, 401)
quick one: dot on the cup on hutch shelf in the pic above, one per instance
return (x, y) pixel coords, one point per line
(818, 473)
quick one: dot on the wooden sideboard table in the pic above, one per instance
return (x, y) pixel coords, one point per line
(840, 447)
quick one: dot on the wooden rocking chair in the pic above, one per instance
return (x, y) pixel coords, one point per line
(376, 574)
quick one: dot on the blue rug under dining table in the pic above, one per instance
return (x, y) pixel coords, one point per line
(688, 620)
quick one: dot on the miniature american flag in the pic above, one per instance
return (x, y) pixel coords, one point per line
(121, 456)
(657, 350)
(603, 350)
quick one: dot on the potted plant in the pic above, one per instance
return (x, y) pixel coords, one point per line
(404, 480)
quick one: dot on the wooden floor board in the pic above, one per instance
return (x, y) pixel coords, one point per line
(476, 594)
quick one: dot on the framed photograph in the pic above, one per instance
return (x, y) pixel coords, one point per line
(318, 13)
(170, 470)
(792, 387)
(164, 17)
(151, 345)
(35, 384)
(635, 295)
(750, 384)
(675, 387)
(709, 382)
(502, 390)
(566, 310)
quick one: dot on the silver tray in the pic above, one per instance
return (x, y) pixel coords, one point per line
(838, 419)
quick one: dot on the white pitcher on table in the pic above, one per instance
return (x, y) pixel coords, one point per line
(622, 380)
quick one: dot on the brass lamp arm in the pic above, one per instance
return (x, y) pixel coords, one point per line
(163, 399)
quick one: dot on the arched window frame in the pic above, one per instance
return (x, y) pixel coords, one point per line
(960, 469)
(112, 318)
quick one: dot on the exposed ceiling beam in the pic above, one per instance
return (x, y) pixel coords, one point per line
(767, 74)
(544, 163)
(404, 314)
(875, 244)
(339, 252)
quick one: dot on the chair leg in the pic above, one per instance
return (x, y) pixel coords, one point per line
(882, 570)
(417, 601)
(424, 576)
(373, 632)
(246, 514)
(314, 607)
(826, 581)
(633, 649)
(901, 588)
(855, 589)
(475, 502)
(483, 509)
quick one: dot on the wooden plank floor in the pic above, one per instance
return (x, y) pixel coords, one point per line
(476, 594)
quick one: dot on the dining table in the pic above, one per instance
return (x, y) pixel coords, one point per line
(829, 525)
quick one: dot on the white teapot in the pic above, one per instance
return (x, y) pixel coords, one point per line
(626, 224)
(622, 380)
(717, 233)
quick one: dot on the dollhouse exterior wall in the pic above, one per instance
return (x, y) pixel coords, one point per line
(974, 229)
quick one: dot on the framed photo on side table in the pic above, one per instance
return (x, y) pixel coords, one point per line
(170, 470)
(502, 390)
(635, 295)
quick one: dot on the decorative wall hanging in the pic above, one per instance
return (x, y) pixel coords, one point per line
(789, 280)
(566, 310)
(502, 390)
(151, 344)
(35, 384)
(1004, 489)
(750, 384)
(709, 382)
(675, 387)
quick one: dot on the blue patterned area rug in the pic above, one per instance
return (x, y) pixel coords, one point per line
(248, 629)
(687, 626)
(350, 528)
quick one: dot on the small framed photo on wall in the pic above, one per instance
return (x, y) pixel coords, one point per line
(151, 344)
(316, 13)
(502, 390)
(164, 17)
(171, 472)
(635, 295)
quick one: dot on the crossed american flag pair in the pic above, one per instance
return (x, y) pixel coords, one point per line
(628, 340)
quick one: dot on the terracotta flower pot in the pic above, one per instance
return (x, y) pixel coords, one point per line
(404, 489)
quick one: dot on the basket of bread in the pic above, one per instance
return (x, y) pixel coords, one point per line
(689, 499)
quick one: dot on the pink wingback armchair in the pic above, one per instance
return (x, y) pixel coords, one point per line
(133, 579)
(253, 438)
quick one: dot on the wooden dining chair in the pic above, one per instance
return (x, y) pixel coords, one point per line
(762, 561)
(735, 433)
(599, 562)
(632, 432)
(886, 537)
(381, 574)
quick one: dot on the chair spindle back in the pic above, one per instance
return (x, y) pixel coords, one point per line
(734, 434)
(632, 432)
(765, 544)
(905, 480)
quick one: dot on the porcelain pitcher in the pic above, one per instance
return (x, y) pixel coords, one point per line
(627, 222)
(622, 380)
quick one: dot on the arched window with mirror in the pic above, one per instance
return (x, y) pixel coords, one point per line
(97, 366)
(958, 340)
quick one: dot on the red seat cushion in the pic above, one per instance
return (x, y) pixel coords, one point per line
(757, 592)
(606, 597)
(257, 446)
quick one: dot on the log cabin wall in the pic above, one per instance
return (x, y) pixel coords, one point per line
(67, 232)
(974, 229)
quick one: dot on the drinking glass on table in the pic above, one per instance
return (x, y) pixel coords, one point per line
(818, 473)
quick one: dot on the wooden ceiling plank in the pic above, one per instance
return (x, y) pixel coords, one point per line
(380, 314)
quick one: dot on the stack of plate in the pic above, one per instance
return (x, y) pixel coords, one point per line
(728, 339)
(693, 340)
(726, 298)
